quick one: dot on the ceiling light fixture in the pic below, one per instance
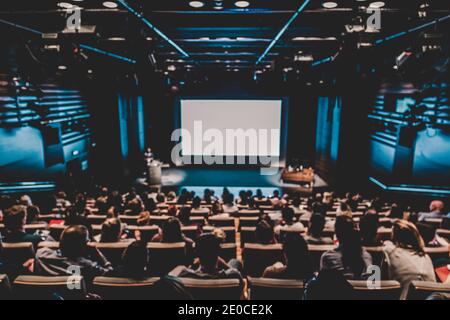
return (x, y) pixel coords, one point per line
(110, 5)
(65, 5)
(242, 4)
(377, 4)
(329, 5)
(196, 4)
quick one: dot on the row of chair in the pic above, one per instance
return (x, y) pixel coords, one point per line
(109, 288)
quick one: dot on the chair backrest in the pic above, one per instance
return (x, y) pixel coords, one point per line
(191, 232)
(387, 290)
(421, 290)
(158, 220)
(147, 232)
(96, 219)
(248, 235)
(444, 233)
(285, 232)
(112, 251)
(199, 221)
(249, 213)
(248, 222)
(384, 234)
(56, 231)
(316, 252)
(258, 257)
(32, 228)
(124, 288)
(228, 251)
(445, 223)
(49, 288)
(164, 257)
(276, 289)
(17, 253)
(230, 233)
(222, 289)
(221, 221)
(5, 287)
(438, 253)
(434, 222)
(129, 220)
(202, 212)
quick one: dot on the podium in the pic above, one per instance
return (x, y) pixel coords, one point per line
(154, 173)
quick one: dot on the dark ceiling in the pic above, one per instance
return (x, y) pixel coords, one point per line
(219, 34)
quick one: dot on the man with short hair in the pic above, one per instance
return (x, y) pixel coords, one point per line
(436, 211)
(73, 251)
(15, 220)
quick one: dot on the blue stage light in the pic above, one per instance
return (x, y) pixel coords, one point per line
(282, 31)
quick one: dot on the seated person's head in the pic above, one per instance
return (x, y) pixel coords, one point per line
(208, 248)
(406, 235)
(295, 249)
(344, 228)
(288, 215)
(196, 202)
(264, 233)
(296, 202)
(15, 218)
(396, 212)
(161, 198)
(25, 200)
(368, 226)
(102, 205)
(33, 213)
(437, 206)
(427, 232)
(184, 215)
(143, 219)
(135, 259)
(228, 198)
(111, 230)
(74, 242)
(316, 225)
(171, 231)
(135, 206)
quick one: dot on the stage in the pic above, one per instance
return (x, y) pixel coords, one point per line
(197, 179)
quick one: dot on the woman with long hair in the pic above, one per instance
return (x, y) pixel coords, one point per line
(406, 257)
(349, 257)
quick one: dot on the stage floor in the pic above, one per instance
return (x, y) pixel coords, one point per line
(248, 178)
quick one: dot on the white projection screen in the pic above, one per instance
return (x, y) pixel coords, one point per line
(260, 119)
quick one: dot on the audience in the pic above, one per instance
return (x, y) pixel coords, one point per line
(212, 266)
(14, 220)
(436, 211)
(315, 230)
(405, 254)
(298, 264)
(406, 257)
(74, 255)
(349, 257)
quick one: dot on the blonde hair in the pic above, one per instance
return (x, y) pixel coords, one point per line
(406, 235)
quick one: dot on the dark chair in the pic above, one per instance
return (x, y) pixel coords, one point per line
(96, 219)
(164, 257)
(434, 222)
(438, 253)
(221, 221)
(158, 220)
(5, 287)
(49, 288)
(17, 253)
(445, 223)
(444, 233)
(258, 257)
(32, 228)
(421, 290)
(112, 251)
(248, 222)
(248, 235)
(223, 289)
(56, 231)
(147, 232)
(388, 290)
(249, 213)
(129, 220)
(191, 232)
(198, 221)
(124, 289)
(275, 289)
(228, 251)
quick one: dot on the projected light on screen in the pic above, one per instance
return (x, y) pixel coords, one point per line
(250, 128)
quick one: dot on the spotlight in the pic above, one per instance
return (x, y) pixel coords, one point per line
(377, 4)
(65, 5)
(196, 4)
(62, 67)
(110, 5)
(242, 4)
(329, 4)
